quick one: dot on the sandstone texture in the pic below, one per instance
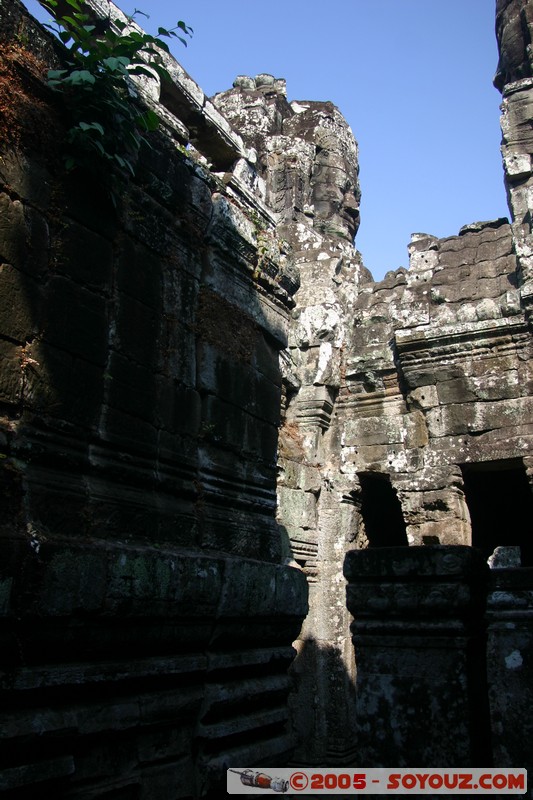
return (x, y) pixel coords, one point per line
(146, 612)
(406, 402)
(436, 406)
(212, 417)
(309, 161)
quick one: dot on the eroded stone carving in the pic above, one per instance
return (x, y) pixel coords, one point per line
(146, 609)
(410, 397)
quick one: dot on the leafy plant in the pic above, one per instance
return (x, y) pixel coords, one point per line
(101, 56)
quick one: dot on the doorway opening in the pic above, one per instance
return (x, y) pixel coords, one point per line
(500, 502)
(381, 511)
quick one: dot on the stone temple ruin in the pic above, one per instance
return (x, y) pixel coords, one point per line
(212, 418)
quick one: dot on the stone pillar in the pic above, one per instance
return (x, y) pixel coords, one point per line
(324, 670)
(510, 665)
(434, 507)
(421, 693)
(325, 667)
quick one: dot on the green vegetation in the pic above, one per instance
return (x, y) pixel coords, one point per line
(105, 119)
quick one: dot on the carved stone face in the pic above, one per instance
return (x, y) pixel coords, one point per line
(335, 194)
(334, 185)
(513, 31)
(306, 153)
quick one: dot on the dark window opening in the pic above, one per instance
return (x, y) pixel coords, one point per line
(500, 502)
(382, 512)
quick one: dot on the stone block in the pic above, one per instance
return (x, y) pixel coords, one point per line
(447, 531)
(138, 329)
(62, 386)
(295, 475)
(177, 409)
(250, 535)
(131, 388)
(83, 256)
(298, 508)
(456, 257)
(509, 667)
(84, 202)
(24, 237)
(127, 432)
(266, 359)
(222, 422)
(21, 300)
(457, 390)
(413, 608)
(15, 166)
(369, 431)
(179, 288)
(36, 772)
(253, 589)
(83, 330)
(489, 288)
(477, 417)
(179, 774)
(517, 165)
(423, 397)
(421, 261)
(238, 383)
(11, 376)
(138, 272)
(47, 373)
(304, 540)
(176, 352)
(261, 440)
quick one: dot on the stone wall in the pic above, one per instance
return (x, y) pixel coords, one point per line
(436, 407)
(308, 157)
(407, 401)
(149, 354)
(146, 612)
(438, 378)
(443, 650)
(436, 399)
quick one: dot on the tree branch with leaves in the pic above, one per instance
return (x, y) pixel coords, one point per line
(100, 57)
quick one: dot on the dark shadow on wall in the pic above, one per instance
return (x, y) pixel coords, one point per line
(144, 606)
(138, 367)
(381, 511)
(321, 683)
(500, 502)
(420, 638)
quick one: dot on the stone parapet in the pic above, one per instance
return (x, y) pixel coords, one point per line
(443, 666)
(109, 643)
(417, 634)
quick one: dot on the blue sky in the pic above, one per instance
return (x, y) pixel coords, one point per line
(412, 77)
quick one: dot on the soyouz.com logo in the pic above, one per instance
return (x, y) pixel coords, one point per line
(495, 782)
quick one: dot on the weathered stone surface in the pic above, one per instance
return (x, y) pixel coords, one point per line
(509, 663)
(308, 158)
(142, 395)
(513, 28)
(466, 370)
(147, 617)
(417, 628)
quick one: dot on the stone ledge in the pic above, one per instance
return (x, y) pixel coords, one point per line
(143, 582)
